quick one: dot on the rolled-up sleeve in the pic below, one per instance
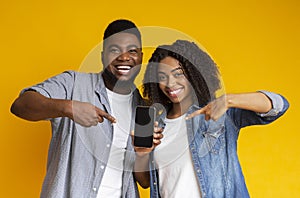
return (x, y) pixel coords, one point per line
(59, 86)
(277, 104)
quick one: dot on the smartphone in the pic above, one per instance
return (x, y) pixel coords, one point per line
(144, 126)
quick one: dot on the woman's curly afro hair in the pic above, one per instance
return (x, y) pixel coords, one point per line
(198, 67)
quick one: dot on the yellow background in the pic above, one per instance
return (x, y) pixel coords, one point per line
(255, 43)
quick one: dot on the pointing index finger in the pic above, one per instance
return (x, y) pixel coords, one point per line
(110, 118)
(195, 113)
(104, 114)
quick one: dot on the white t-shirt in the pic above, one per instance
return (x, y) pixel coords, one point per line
(121, 107)
(173, 159)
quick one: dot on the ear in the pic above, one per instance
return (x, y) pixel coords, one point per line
(102, 59)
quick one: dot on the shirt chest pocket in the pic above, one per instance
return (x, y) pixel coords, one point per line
(211, 141)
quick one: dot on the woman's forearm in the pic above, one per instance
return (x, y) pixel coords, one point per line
(141, 170)
(255, 101)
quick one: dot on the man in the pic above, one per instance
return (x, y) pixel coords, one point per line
(88, 151)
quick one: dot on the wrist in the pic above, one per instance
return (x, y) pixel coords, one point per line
(230, 100)
(65, 108)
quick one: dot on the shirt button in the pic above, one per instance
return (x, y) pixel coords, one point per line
(102, 167)
(107, 145)
(198, 171)
(94, 189)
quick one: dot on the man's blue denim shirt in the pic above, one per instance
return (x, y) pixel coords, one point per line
(213, 146)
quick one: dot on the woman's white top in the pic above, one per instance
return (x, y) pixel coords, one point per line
(173, 159)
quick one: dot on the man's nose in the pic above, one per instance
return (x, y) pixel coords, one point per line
(125, 56)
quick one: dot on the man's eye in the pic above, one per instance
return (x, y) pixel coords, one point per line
(133, 51)
(114, 50)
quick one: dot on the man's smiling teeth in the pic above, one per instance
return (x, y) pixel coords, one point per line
(123, 68)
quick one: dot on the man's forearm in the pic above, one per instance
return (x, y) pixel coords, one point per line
(34, 107)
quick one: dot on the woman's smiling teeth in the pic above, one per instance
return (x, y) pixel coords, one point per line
(174, 92)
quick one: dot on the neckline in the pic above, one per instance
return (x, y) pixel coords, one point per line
(175, 119)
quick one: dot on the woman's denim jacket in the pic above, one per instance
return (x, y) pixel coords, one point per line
(213, 145)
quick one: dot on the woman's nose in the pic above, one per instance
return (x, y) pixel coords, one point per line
(171, 81)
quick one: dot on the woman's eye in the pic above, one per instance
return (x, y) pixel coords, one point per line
(178, 74)
(162, 78)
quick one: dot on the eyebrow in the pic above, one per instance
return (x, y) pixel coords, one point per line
(177, 68)
(128, 47)
(131, 46)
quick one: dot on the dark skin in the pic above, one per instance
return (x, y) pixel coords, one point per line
(122, 57)
(33, 106)
(177, 88)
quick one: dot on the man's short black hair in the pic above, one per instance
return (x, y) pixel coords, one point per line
(121, 25)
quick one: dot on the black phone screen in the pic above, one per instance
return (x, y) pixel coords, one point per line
(144, 126)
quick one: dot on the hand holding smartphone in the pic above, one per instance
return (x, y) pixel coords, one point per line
(144, 126)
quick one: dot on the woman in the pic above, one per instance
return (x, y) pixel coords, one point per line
(197, 156)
